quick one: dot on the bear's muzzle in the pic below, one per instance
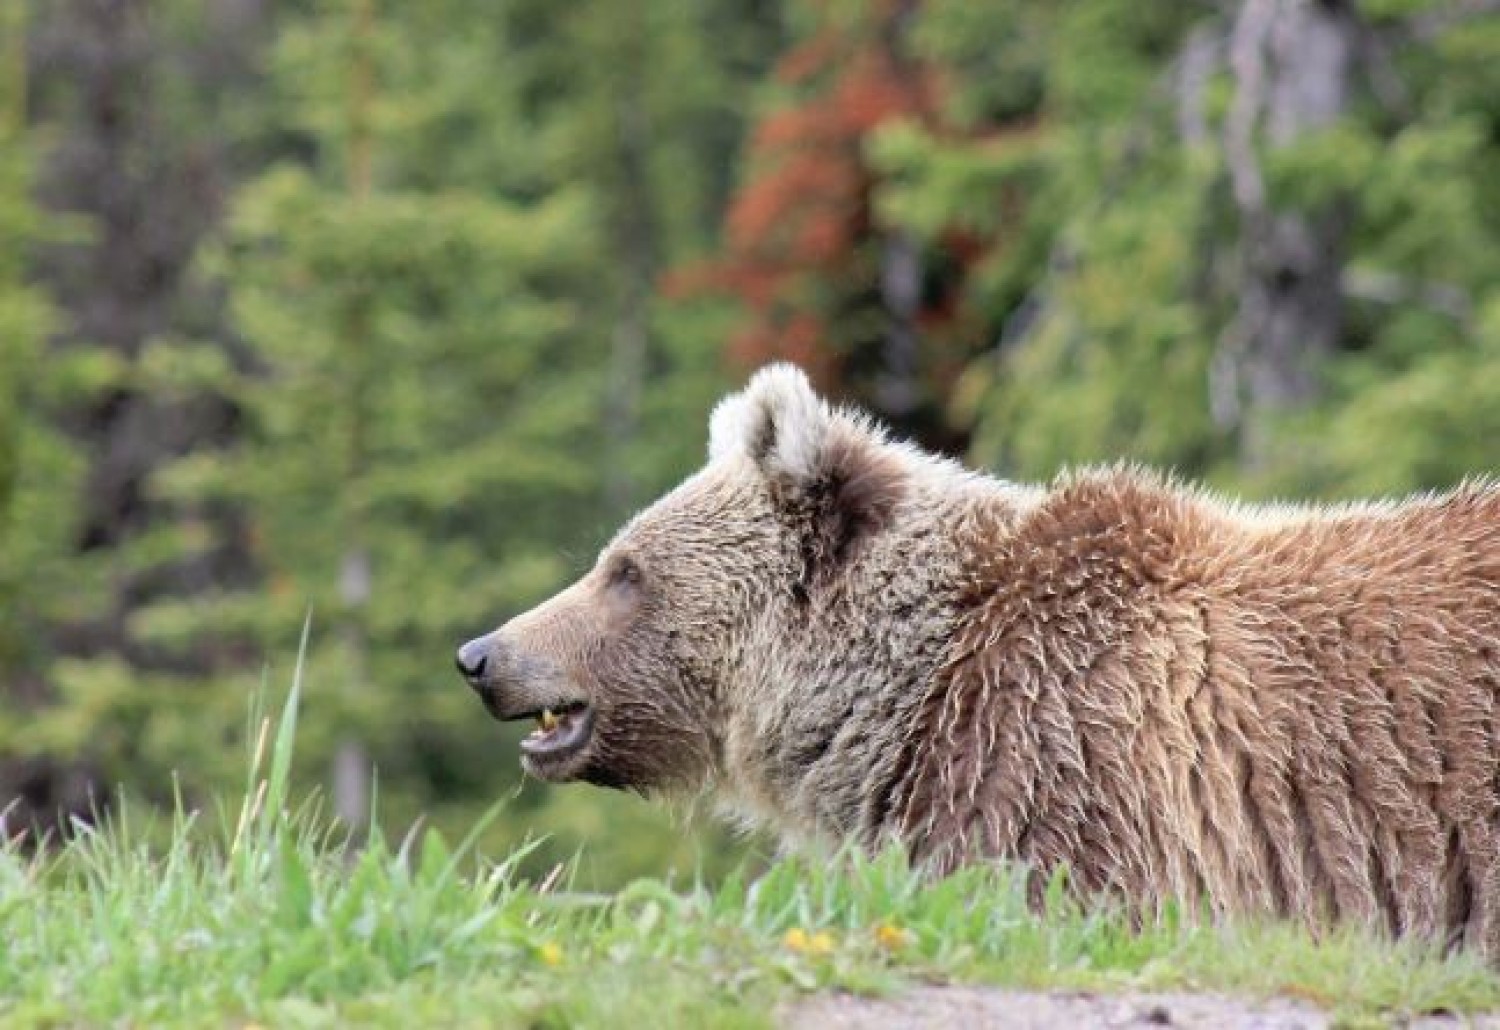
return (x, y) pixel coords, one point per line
(516, 685)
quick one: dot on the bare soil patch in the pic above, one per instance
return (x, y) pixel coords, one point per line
(959, 1008)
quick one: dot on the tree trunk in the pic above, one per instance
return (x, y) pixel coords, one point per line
(351, 760)
(1292, 61)
(899, 389)
(636, 248)
(12, 68)
(14, 192)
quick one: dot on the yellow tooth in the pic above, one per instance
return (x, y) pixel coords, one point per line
(549, 721)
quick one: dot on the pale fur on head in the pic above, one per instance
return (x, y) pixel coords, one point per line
(806, 736)
(780, 423)
(776, 420)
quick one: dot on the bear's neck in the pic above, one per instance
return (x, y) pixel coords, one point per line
(822, 751)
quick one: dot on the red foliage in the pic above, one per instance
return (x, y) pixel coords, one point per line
(801, 250)
(805, 210)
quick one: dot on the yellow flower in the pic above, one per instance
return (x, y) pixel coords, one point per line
(804, 943)
(550, 954)
(891, 937)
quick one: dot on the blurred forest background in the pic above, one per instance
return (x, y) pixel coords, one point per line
(395, 310)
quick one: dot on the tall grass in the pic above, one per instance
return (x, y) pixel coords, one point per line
(269, 915)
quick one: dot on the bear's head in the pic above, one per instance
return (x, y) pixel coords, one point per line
(634, 672)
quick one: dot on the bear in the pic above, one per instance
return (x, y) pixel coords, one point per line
(1244, 710)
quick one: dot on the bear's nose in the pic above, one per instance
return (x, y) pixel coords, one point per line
(472, 660)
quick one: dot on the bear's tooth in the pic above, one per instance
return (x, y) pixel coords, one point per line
(549, 721)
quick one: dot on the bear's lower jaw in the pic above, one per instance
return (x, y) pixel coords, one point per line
(559, 751)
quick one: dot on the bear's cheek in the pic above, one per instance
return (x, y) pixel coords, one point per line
(637, 748)
(625, 675)
(648, 732)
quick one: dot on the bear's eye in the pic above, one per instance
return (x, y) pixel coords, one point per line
(624, 572)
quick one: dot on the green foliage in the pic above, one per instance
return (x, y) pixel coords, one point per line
(407, 318)
(37, 467)
(1451, 393)
(431, 406)
(269, 916)
(1115, 259)
(424, 358)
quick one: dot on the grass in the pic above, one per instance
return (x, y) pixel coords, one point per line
(265, 917)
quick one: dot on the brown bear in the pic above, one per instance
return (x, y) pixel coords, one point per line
(1262, 709)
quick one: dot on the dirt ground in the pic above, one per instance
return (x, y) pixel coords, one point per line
(960, 1008)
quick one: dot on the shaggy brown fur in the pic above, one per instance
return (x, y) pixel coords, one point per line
(1295, 715)
(1268, 710)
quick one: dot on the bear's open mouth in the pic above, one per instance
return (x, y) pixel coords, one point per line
(561, 733)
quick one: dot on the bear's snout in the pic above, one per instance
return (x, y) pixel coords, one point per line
(473, 659)
(515, 682)
(488, 666)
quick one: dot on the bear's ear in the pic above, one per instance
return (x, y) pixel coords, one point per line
(777, 421)
(833, 471)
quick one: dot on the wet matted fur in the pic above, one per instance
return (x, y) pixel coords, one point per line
(1264, 710)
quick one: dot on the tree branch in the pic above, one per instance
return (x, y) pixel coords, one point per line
(1434, 23)
(1378, 287)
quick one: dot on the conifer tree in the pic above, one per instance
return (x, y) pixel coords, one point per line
(421, 427)
(1209, 239)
